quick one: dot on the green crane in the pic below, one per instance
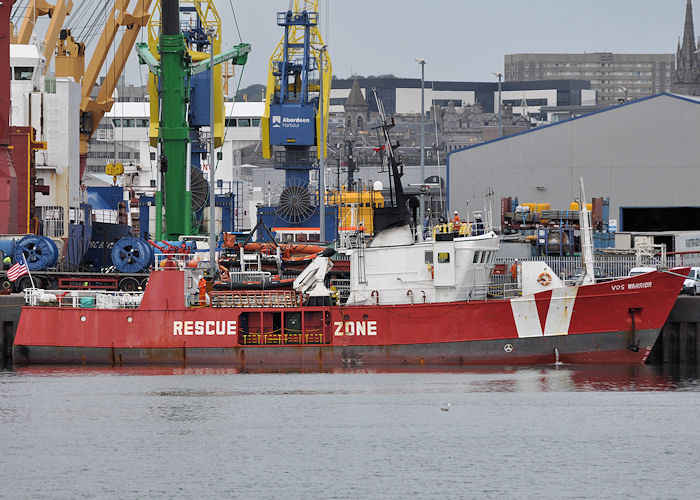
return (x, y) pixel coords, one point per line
(173, 72)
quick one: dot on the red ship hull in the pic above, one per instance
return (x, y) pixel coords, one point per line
(614, 322)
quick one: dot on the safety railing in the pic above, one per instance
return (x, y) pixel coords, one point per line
(279, 338)
(255, 298)
(170, 261)
(239, 277)
(88, 299)
(53, 219)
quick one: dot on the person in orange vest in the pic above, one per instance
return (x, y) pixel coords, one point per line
(455, 222)
(514, 270)
(202, 291)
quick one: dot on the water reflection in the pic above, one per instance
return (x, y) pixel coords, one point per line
(468, 379)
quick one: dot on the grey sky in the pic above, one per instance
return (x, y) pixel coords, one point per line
(461, 40)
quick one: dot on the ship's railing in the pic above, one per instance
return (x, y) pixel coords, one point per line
(91, 299)
(503, 290)
(342, 289)
(255, 298)
(611, 265)
(244, 276)
(279, 338)
(169, 261)
(53, 220)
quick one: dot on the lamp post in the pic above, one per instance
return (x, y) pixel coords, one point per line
(421, 61)
(500, 123)
(322, 153)
(211, 33)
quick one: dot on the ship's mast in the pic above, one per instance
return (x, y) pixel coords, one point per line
(586, 239)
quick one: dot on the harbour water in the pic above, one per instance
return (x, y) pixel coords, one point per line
(536, 432)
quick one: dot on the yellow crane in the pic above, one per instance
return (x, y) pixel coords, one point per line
(70, 61)
(56, 12)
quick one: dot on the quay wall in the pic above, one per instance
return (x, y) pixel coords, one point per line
(679, 342)
(10, 308)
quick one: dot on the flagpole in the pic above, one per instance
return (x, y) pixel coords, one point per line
(28, 271)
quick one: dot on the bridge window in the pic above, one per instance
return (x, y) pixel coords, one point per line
(23, 72)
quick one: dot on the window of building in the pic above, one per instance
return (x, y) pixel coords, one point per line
(23, 72)
(117, 122)
(231, 122)
(256, 122)
(244, 122)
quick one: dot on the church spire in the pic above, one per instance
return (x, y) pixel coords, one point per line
(686, 78)
(689, 30)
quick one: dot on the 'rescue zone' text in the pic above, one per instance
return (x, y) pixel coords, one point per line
(204, 328)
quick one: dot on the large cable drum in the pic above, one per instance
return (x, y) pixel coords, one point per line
(132, 255)
(39, 252)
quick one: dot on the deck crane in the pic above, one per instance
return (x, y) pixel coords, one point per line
(174, 66)
(299, 71)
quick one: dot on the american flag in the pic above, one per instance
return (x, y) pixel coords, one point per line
(19, 269)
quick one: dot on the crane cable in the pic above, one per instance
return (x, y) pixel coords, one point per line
(233, 11)
(16, 9)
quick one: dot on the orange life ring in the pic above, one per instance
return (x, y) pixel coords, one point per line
(544, 279)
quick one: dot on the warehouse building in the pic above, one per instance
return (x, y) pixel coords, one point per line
(644, 155)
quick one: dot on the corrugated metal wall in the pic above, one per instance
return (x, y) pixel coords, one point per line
(645, 153)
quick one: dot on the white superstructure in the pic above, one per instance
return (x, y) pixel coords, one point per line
(394, 270)
(52, 107)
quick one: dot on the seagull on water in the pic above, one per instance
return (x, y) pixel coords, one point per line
(446, 407)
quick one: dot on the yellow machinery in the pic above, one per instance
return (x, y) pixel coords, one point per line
(209, 18)
(356, 208)
(57, 13)
(70, 62)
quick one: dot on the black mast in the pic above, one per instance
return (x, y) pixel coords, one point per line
(396, 215)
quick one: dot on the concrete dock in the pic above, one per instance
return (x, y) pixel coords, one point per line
(679, 342)
(10, 308)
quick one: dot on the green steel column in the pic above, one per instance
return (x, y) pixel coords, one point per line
(159, 215)
(174, 134)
